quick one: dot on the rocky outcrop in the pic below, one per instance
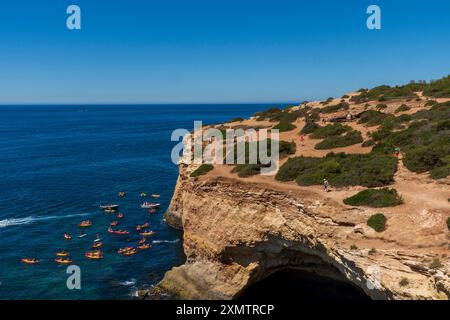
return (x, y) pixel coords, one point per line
(237, 233)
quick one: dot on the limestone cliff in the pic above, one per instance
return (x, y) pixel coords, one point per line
(237, 232)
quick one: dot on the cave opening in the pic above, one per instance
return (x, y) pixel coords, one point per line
(288, 284)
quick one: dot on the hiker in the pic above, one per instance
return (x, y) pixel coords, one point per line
(302, 140)
(396, 151)
(326, 185)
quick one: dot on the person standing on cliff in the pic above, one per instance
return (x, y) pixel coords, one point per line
(326, 185)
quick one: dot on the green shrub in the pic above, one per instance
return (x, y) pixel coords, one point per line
(247, 170)
(373, 118)
(438, 89)
(368, 143)
(369, 170)
(377, 222)
(335, 108)
(330, 130)
(203, 169)
(375, 198)
(430, 103)
(402, 108)
(440, 172)
(237, 119)
(345, 96)
(284, 126)
(448, 222)
(381, 106)
(348, 139)
(309, 127)
(353, 247)
(286, 148)
(383, 93)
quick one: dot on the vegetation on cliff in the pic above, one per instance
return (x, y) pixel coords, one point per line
(375, 198)
(348, 139)
(377, 222)
(203, 169)
(371, 170)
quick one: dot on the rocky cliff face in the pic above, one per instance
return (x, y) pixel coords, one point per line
(237, 233)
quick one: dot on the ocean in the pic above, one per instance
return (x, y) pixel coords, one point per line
(59, 163)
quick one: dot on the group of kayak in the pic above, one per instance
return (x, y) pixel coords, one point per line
(62, 257)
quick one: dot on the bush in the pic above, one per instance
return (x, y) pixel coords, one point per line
(330, 130)
(345, 96)
(402, 108)
(237, 119)
(370, 170)
(203, 169)
(448, 223)
(368, 143)
(286, 148)
(247, 170)
(284, 126)
(348, 139)
(384, 93)
(375, 198)
(377, 222)
(381, 106)
(373, 118)
(309, 127)
(335, 108)
(438, 89)
(440, 172)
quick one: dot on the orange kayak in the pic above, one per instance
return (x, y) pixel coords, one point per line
(85, 224)
(126, 249)
(144, 246)
(94, 255)
(114, 223)
(62, 254)
(67, 236)
(63, 261)
(30, 260)
(130, 252)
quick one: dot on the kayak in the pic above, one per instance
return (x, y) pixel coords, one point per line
(62, 254)
(142, 241)
(30, 260)
(114, 223)
(147, 233)
(63, 260)
(94, 255)
(130, 252)
(144, 246)
(143, 194)
(121, 232)
(67, 236)
(123, 250)
(97, 245)
(119, 216)
(121, 194)
(156, 196)
(143, 226)
(85, 224)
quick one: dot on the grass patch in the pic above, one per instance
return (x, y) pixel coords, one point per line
(285, 126)
(377, 222)
(330, 130)
(348, 139)
(202, 170)
(335, 108)
(375, 198)
(402, 108)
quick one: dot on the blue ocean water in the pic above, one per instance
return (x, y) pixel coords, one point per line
(59, 163)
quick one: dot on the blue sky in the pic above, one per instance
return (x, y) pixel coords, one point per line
(182, 51)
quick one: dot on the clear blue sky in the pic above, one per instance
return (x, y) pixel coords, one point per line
(215, 50)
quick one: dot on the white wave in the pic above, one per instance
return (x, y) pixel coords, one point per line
(130, 282)
(165, 241)
(28, 220)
